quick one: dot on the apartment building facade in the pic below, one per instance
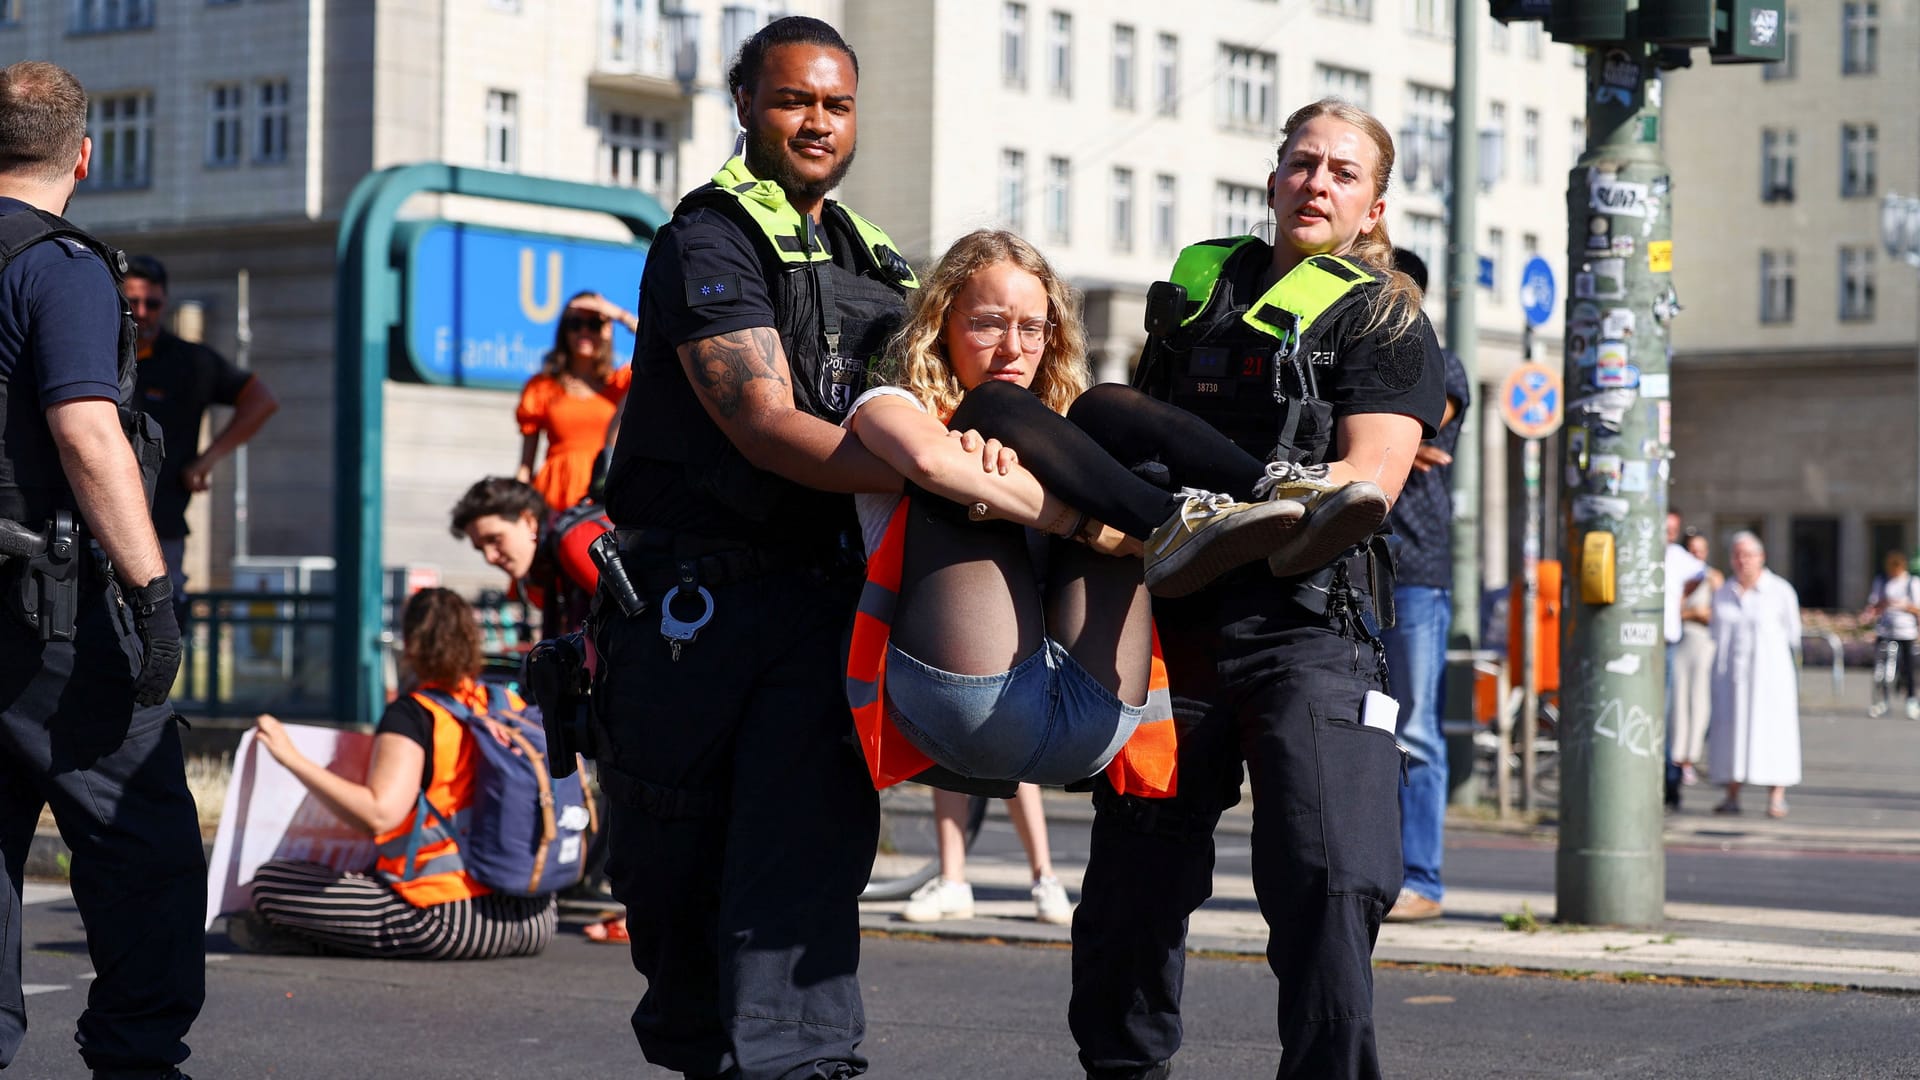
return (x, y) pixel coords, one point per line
(1796, 409)
(1114, 132)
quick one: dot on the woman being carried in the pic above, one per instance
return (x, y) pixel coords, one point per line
(989, 671)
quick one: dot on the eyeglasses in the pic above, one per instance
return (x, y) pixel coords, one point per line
(988, 331)
(575, 323)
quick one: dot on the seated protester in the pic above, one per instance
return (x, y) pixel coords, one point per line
(542, 551)
(988, 672)
(418, 747)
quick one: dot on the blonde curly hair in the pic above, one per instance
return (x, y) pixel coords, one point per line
(916, 358)
(1397, 306)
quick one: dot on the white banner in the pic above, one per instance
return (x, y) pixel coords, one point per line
(269, 814)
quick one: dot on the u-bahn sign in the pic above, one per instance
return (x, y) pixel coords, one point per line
(481, 303)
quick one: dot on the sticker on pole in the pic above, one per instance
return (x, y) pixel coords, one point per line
(1531, 401)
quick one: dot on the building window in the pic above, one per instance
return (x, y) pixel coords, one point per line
(1059, 200)
(1859, 38)
(1776, 286)
(1576, 131)
(272, 109)
(624, 25)
(1776, 165)
(1013, 45)
(1248, 91)
(1789, 65)
(122, 130)
(1165, 213)
(1856, 284)
(1858, 159)
(1346, 83)
(1351, 9)
(1430, 114)
(1530, 146)
(1497, 120)
(1815, 561)
(9, 12)
(223, 124)
(1497, 256)
(1239, 209)
(1433, 17)
(1013, 190)
(1060, 54)
(503, 130)
(1536, 41)
(1427, 238)
(1499, 39)
(97, 16)
(1123, 209)
(738, 22)
(1122, 66)
(639, 152)
(1166, 74)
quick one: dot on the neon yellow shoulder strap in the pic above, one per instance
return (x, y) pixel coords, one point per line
(1309, 291)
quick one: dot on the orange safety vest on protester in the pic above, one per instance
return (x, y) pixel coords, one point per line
(428, 870)
(1144, 766)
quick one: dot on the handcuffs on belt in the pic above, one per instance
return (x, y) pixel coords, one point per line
(605, 553)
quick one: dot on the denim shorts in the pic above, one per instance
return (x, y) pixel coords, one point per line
(1046, 722)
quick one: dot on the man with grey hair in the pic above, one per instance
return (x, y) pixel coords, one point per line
(1755, 734)
(87, 631)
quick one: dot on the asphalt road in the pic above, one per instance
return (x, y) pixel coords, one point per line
(941, 1010)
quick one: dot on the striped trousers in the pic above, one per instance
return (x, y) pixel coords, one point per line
(354, 914)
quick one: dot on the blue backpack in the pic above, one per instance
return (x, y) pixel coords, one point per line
(525, 833)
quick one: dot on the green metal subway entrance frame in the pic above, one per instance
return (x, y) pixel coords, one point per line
(366, 324)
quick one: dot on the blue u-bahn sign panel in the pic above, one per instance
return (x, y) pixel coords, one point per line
(482, 304)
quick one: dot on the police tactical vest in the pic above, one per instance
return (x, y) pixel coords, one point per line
(1247, 364)
(832, 322)
(32, 482)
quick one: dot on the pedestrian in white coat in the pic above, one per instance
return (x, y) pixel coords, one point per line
(1755, 734)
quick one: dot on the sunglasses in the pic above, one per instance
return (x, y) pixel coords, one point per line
(573, 323)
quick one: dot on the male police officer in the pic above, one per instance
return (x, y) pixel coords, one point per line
(743, 824)
(87, 630)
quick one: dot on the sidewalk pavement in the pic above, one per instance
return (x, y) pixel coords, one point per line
(1861, 795)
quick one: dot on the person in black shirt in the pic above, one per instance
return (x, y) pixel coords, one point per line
(85, 727)
(1313, 354)
(742, 823)
(1422, 543)
(178, 379)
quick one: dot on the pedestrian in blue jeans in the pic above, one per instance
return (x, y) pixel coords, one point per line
(1422, 544)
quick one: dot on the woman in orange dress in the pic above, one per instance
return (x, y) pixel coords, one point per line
(573, 400)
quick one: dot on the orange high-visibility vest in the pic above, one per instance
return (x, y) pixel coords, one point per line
(427, 869)
(1144, 766)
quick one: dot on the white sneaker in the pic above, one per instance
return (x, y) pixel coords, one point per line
(1050, 904)
(940, 899)
(1877, 710)
(1913, 709)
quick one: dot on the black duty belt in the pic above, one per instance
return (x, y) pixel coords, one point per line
(656, 557)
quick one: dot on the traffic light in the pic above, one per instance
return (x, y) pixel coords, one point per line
(1676, 22)
(1749, 32)
(1508, 11)
(1583, 22)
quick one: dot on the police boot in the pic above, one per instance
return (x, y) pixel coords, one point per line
(1335, 516)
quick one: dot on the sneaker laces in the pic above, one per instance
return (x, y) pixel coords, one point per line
(1197, 505)
(1280, 473)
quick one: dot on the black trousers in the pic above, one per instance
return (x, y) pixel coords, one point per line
(745, 831)
(71, 738)
(1257, 680)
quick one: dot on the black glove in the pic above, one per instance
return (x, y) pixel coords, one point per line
(159, 631)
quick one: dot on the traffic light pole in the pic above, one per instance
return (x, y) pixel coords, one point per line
(1463, 276)
(1611, 868)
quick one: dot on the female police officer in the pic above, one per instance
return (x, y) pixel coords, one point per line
(1313, 353)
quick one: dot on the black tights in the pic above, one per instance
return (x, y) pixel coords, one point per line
(1097, 458)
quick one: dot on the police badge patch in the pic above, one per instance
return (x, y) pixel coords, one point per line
(1401, 361)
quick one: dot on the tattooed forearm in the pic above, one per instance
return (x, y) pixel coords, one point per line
(723, 366)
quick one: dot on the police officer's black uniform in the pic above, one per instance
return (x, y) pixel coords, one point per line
(743, 824)
(1267, 671)
(71, 735)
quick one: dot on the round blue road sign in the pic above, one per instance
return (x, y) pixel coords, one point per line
(1536, 291)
